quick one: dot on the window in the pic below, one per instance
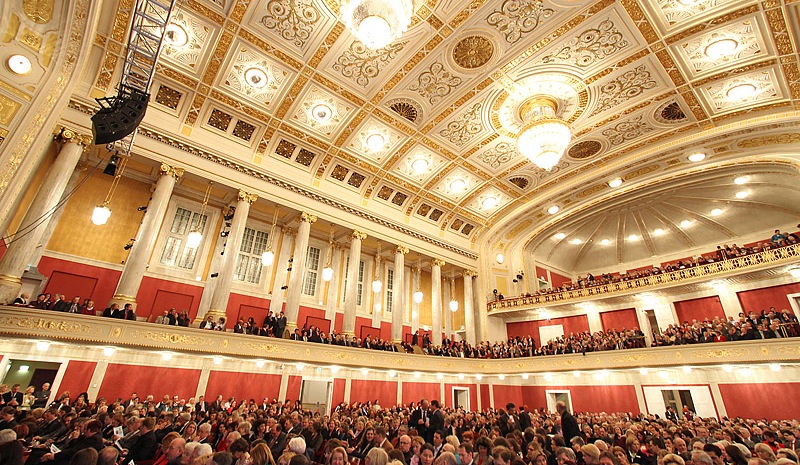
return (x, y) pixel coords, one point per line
(389, 289)
(360, 287)
(312, 271)
(175, 253)
(248, 262)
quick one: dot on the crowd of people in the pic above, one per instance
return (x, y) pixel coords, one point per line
(143, 431)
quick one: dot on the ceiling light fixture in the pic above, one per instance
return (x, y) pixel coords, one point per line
(614, 183)
(376, 142)
(420, 166)
(418, 295)
(376, 23)
(195, 236)
(775, 366)
(696, 157)
(576, 242)
(544, 137)
(742, 194)
(560, 236)
(19, 64)
(658, 232)
(605, 242)
(633, 237)
(716, 212)
(489, 202)
(322, 113)
(685, 223)
(795, 272)
(256, 77)
(500, 258)
(327, 271)
(720, 48)
(739, 180)
(377, 285)
(176, 35)
(268, 257)
(458, 186)
(553, 210)
(741, 92)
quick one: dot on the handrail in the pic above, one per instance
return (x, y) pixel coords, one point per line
(757, 260)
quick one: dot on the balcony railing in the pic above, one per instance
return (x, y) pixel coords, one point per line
(751, 262)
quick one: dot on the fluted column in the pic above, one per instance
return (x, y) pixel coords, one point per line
(298, 270)
(479, 302)
(469, 311)
(21, 248)
(331, 301)
(351, 293)
(139, 256)
(398, 293)
(414, 304)
(377, 297)
(447, 314)
(436, 301)
(222, 291)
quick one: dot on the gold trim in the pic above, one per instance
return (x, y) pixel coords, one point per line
(10, 279)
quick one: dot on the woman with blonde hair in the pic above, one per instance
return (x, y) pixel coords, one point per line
(338, 457)
(376, 456)
(261, 455)
(764, 452)
(285, 458)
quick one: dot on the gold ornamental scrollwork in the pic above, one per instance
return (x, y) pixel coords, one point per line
(167, 170)
(358, 235)
(172, 338)
(308, 218)
(38, 11)
(65, 135)
(401, 250)
(43, 324)
(438, 262)
(247, 197)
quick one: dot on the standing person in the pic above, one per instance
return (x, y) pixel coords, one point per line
(569, 425)
(436, 421)
(42, 396)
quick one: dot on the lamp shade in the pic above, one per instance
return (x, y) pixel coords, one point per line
(327, 274)
(268, 258)
(100, 215)
(453, 305)
(194, 239)
(377, 285)
(418, 297)
(376, 23)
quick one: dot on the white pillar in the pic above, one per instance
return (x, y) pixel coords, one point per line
(22, 247)
(448, 315)
(331, 302)
(436, 301)
(281, 273)
(222, 291)
(414, 305)
(730, 302)
(351, 293)
(377, 297)
(469, 310)
(479, 304)
(398, 293)
(298, 270)
(139, 256)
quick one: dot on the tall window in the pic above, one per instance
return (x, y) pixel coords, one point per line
(360, 286)
(248, 262)
(175, 252)
(312, 270)
(389, 289)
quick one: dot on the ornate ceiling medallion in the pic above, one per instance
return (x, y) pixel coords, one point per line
(473, 52)
(293, 20)
(516, 18)
(590, 46)
(406, 108)
(563, 88)
(670, 113)
(435, 83)
(584, 149)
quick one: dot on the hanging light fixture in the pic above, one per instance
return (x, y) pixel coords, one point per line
(377, 285)
(102, 213)
(268, 257)
(453, 302)
(327, 272)
(418, 295)
(376, 23)
(544, 137)
(196, 236)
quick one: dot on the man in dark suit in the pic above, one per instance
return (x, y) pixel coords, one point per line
(280, 325)
(23, 299)
(202, 405)
(420, 418)
(13, 398)
(436, 423)
(569, 425)
(277, 440)
(74, 306)
(89, 437)
(146, 444)
(112, 311)
(59, 305)
(216, 406)
(127, 313)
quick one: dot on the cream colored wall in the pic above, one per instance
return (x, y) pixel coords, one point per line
(33, 188)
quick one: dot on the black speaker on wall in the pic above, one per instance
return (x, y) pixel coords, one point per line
(119, 116)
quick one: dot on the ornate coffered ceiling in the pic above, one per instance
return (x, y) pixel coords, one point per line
(640, 82)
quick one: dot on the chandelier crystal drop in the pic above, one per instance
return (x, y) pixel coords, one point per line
(545, 136)
(376, 23)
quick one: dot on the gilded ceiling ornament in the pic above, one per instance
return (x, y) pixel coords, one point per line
(518, 17)
(590, 46)
(38, 11)
(473, 52)
(361, 64)
(294, 20)
(627, 130)
(584, 149)
(630, 84)
(435, 83)
(500, 154)
(406, 108)
(463, 129)
(669, 113)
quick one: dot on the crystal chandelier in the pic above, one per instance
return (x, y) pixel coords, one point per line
(545, 136)
(376, 23)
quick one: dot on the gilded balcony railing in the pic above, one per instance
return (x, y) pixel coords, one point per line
(761, 260)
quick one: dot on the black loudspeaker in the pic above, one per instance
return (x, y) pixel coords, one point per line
(119, 116)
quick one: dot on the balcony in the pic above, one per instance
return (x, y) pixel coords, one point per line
(722, 269)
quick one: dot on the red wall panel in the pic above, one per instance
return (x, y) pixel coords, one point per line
(293, 387)
(121, 380)
(619, 319)
(243, 386)
(414, 392)
(473, 394)
(308, 316)
(156, 295)
(699, 309)
(762, 299)
(106, 278)
(756, 400)
(337, 397)
(338, 321)
(386, 330)
(600, 398)
(363, 390)
(504, 394)
(77, 378)
(245, 305)
(485, 396)
(541, 272)
(71, 285)
(571, 324)
(558, 279)
(165, 300)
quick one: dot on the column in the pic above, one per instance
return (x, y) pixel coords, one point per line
(22, 246)
(479, 304)
(139, 256)
(436, 301)
(469, 310)
(447, 313)
(730, 302)
(351, 293)
(377, 297)
(298, 270)
(414, 304)
(222, 291)
(333, 285)
(399, 293)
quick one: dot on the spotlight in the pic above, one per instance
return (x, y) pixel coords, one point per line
(224, 233)
(213, 275)
(129, 245)
(289, 269)
(283, 288)
(143, 208)
(520, 275)
(229, 214)
(111, 167)
(228, 224)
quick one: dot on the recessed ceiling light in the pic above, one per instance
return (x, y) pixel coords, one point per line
(376, 142)
(686, 223)
(553, 210)
(716, 212)
(741, 180)
(500, 258)
(616, 182)
(560, 236)
(322, 113)
(742, 194)
(741, 92)
(633, 237)
(696, 157)
(256, 77)
(576, 242)
(19, 64)
(458, 185)
(489, 202)
(420, 166)
(176, 35)
(720, 48)
(658, 232)
(605, 242)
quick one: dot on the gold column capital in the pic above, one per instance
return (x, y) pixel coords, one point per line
(247, 196)
(401, 250)
(308, 218)
(169, 170)
(470, 273)
(438, 262)
(287, 231)
(65, 135)
(358, 235)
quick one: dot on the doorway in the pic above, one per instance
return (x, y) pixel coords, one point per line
(554, 396)
(316, 395)
(652, 321)
(30, 373)
(461, 398)
(677, 399)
